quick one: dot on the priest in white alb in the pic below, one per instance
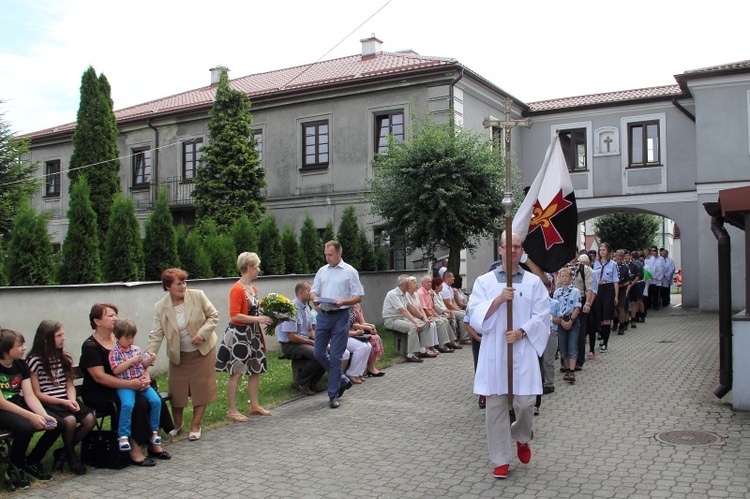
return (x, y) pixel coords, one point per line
(528, 334)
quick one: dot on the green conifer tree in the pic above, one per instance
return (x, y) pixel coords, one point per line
(311, 247)
(160, 242)
(123, 250)
(16, 175)
(290, 247)
(269, 247)
(30, 260)
(381, 254)
(3, 258)
(368, 252)
(221, 253)
(348, 236)
(81, 263)
(231, 180)
(245, 235)
(329, 234)
(95, 153)
(193, 257)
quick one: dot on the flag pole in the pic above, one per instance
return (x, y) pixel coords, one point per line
(507, 205)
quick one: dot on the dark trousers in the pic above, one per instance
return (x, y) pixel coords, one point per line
(333, 328)
(475, 351)
(23, 431)
(583, 319)
(312, 371)
(665, 295)
(654, 293)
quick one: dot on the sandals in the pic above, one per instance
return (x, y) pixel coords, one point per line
(155, 438)
(124, 444)
(176, 431)
(195, 435)
(236, 417)
(261, 412)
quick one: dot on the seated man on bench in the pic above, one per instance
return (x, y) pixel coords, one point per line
(296, 339)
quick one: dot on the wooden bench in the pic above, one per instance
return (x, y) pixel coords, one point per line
(298, 363)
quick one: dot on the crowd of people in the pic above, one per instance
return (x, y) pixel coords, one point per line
(586, 300)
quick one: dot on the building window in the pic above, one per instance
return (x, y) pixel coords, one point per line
(388, 124)
(644, 144)
(257, 136)
(395, 249)
(191, 158)
(141, 167)
(573, 144)
(315, 148)
(52, 176)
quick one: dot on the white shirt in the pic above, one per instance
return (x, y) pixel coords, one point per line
(340, 282)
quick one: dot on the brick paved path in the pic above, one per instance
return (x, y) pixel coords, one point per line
(417, 432)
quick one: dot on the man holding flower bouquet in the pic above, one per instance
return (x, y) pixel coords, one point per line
(296, 338)
(336, 288)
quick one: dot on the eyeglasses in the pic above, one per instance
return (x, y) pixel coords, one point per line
(515, 246)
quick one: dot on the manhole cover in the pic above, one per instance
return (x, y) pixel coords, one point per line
(688, 437)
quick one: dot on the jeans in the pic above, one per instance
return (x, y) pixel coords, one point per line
(568, 340)
(127, 401)
(334, 328)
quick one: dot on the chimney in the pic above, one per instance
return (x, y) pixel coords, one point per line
(216, 74)
(371, 47)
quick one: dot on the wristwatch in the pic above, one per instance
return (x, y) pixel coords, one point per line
(523, 333)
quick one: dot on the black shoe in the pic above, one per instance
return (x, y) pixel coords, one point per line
(36, 470)
(334, 403)
(548, 389)
(563, 369)
(16, 479)
(370, 374)
(482, 401)
(632, 325)
(536, 410)
(146, 463)
(344, 388)
(579, 368)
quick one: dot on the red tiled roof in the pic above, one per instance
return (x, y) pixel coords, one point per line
(606, 98)
(309, 75)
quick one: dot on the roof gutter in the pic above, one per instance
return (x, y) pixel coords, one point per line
(687, 113)
(456, 79)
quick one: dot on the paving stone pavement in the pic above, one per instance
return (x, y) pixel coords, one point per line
(417, 432)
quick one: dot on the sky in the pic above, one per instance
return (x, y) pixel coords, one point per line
(532, 49)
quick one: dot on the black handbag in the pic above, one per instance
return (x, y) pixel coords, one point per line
(363, 337)
(101, 450)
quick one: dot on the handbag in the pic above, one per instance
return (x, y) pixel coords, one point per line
(363, 337)
(100, 449)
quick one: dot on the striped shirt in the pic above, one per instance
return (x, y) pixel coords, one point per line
(55, 385)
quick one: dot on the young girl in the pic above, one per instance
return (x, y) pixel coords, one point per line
(128, 362)
(22, 414)
(608, 278)
(52, 379)
(566, 317)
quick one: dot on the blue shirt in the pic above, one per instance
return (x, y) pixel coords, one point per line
(301, 325)
(339, 283)
(607, 273)
(568, 299)
(554, 311)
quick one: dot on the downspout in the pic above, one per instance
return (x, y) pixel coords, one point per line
(155, 175)
(725, 299)
(459, 75)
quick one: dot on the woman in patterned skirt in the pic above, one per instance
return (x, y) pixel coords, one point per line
(243, 348)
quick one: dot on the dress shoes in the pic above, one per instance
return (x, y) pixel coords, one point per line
(455, 345)
(344, 387)
(445, 350)
(334, 403)
(482, 401)
(426, 355)
(413, 359)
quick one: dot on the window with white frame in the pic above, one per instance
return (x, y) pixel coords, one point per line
(387, 124)
(257, 136)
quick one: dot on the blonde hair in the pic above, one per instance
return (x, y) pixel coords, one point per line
(247, 260)
(565, 270)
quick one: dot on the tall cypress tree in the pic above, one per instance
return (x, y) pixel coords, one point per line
(311, 247)
(95, 153)
(368, 252)
(348, 236)
(16, 176)
(3, 274)
(123, 252)
(81, 263)
(30, 260)
(245, 235)
(269, 247)
(231, 180)
(193, 257)
(292, 259)
(328, 235)
(160, 242)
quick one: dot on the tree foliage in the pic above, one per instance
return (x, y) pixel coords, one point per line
(219, 247)
(17, 184)
(290, 247)
(627, 230)
(95, 153)
(269, 247)
(193, 257)
(348, 236)
(160, 241)
(30, 260)
(441, 186)
(311, 247)
(367, 248)
(245, 235)
(230, 182)
(328, 235)
(3, 273)
(123, 251)
(81, 262)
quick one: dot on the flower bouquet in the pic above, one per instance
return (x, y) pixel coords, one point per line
(279, 308)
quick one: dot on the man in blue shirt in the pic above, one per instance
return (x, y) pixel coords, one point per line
(335, 289)
(296, 339)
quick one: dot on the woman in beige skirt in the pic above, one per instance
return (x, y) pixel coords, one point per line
(188, 321)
